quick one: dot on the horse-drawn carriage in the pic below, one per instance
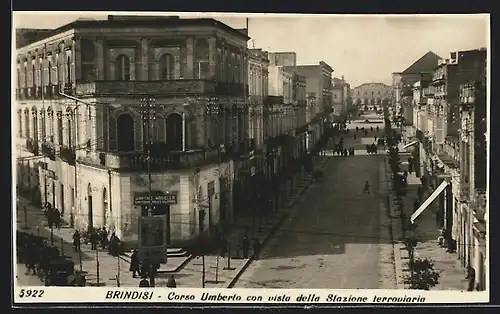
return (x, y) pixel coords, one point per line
(45, 261)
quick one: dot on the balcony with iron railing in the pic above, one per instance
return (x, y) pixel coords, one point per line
(32, 146)
(37, 93)
(68, 154)
(49, 150)
(179, 87)
(479, 208)
(168, 160)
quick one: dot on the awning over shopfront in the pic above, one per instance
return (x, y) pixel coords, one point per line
(410, 144)
(429, 200)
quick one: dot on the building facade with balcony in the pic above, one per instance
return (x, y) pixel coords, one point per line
(94, 94)
(471, 216)
(451, 128)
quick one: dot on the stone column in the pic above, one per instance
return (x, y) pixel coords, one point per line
(212, 54)
(144, 59)
(189, 58)
(99, 58)
(62, 62)
(77, 57)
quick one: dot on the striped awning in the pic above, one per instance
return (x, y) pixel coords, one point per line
(409, 145)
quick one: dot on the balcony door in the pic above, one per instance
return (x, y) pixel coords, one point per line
(125, 132)
(174, 132)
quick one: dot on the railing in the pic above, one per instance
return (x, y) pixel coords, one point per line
(68, 154)
(168, 87)
(32, 146)
(138, 161)
(464, 190)
(48, 149)
(479, 205)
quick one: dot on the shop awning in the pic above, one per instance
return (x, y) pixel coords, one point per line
(409, 145)
(429, 200)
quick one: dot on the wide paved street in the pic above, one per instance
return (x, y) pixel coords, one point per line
(336, 236)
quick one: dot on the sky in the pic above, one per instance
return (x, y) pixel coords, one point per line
(362, 48)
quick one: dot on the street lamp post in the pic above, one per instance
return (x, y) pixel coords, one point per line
(148, 117)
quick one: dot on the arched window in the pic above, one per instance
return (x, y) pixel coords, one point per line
(174, 132)
(122, 68)
(68, 69)
(167, 65)
(237, 68)
(70, 127)
(50, 120)
(112, 128)
(201, 53)
(49, 81)
(25, 75)
(35, 124)
(219, 61)
(18, 78)
(159, 129)
(125, 132)
(33, 75)
(43, 125)
(27, 123)
(59, 128)
(20, 122)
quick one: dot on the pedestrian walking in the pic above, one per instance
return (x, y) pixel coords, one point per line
(104, 238)
(366, 189)
(471, 277)
(246, 246)
(57, 218)
(354, 135)
(256, 248)
(171, 282)
(135, 263)
(94, 239)
(76, 240)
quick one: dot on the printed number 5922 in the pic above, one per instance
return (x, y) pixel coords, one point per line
(26, 293)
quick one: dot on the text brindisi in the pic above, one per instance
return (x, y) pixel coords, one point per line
(130, 295)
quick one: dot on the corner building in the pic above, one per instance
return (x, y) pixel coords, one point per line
(91, 95)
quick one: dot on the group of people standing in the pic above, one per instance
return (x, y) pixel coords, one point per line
(98, 237)
(53, 216)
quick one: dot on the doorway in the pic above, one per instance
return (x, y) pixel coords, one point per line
(90, 210)
(160, 210)
(53, 195)
(223, 200)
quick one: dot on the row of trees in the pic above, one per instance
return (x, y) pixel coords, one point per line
(422, 275)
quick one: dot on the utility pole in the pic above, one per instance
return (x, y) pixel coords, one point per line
(148, 117)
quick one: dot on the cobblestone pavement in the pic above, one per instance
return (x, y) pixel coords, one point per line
(335, 236)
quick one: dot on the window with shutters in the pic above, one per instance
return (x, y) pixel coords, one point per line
(27, 123)
(201, 62)
(167, 67)
(112, 127)
(159, 129)
(122, 68)
(125, 132)
(20, 122)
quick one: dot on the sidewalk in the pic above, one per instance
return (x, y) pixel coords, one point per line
(452, 274)
(186, 270)
(216, 267)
